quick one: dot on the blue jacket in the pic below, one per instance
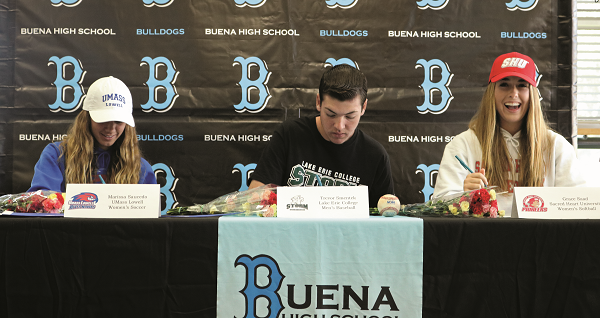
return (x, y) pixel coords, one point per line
(50, 171)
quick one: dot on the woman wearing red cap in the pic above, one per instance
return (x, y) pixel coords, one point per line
(508, 143)
(100, 147)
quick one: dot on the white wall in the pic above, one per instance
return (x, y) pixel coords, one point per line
(590, 165)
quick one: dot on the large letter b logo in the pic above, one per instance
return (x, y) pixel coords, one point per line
(167, 191)
(433, 4)
(63, 85)
(429, 172)
(344, 4)
(245, 171)
(523, 5)
(158, 3)
(250, 3)
(66, 3)
(248, 85)
(252, 290)
(430, 87)
(154, 84)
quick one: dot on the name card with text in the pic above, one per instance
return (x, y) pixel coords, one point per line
(112, 201)
(323, 202)
(556, 203)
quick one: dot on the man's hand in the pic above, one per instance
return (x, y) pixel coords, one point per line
(255, 184)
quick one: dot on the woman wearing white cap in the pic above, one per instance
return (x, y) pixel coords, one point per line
(508, 143)
(100, 147)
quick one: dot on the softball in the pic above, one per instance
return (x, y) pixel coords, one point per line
(388, 205)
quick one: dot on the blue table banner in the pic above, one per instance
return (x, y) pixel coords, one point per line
(325, 268)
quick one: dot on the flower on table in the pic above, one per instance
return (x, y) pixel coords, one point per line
(54, 203)
(246, 207)
(493, 212)
(453, 209)
(33, 202)
(484, 196)
(271, 211)
(260, 201)
(464, 198)
(255, 197)
(230, 204)
(486, 207)
(268, 198)
(464, 206)
(476, 203)
(477, 211)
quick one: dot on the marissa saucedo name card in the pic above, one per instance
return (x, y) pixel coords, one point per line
(323, 202)
(113, 201)
(557, 202)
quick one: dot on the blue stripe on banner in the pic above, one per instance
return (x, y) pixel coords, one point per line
(273, 267)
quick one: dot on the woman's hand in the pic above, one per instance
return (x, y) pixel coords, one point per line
(475, 181)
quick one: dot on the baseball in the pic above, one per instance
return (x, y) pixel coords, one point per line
(388, 205)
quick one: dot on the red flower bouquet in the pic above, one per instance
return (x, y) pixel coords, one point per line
(260, 201)
(477, 203)
(33, 202)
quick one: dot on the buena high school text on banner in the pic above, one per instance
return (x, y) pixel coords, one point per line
(288, 268)
(211, 80)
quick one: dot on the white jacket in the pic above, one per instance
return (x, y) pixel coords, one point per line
(563, 171)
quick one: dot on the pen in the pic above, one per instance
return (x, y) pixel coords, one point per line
(319, 180)
(462, 163)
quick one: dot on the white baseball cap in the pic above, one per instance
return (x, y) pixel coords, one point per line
(109, 99)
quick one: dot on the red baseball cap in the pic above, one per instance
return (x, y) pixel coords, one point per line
(513, 64)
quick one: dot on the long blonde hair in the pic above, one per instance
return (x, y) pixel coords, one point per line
(80, 163)
(535, 145)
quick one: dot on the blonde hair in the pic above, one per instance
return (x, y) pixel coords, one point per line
(80, 163)
(535, 144)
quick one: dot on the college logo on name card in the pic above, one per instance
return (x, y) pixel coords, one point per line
(297, 204)
(430, 87)
(63, 85)
(523, 5)
(84, 200)
(533, 203)
(432, 4)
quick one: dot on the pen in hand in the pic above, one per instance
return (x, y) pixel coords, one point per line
(462, 163)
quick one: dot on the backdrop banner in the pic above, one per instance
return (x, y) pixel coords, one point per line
(330, 268)
(212, 79)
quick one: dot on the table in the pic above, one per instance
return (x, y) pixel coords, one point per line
(63, 267)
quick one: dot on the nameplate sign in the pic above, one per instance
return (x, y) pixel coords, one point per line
(556, 203)
(323, 202)
(112, 201)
